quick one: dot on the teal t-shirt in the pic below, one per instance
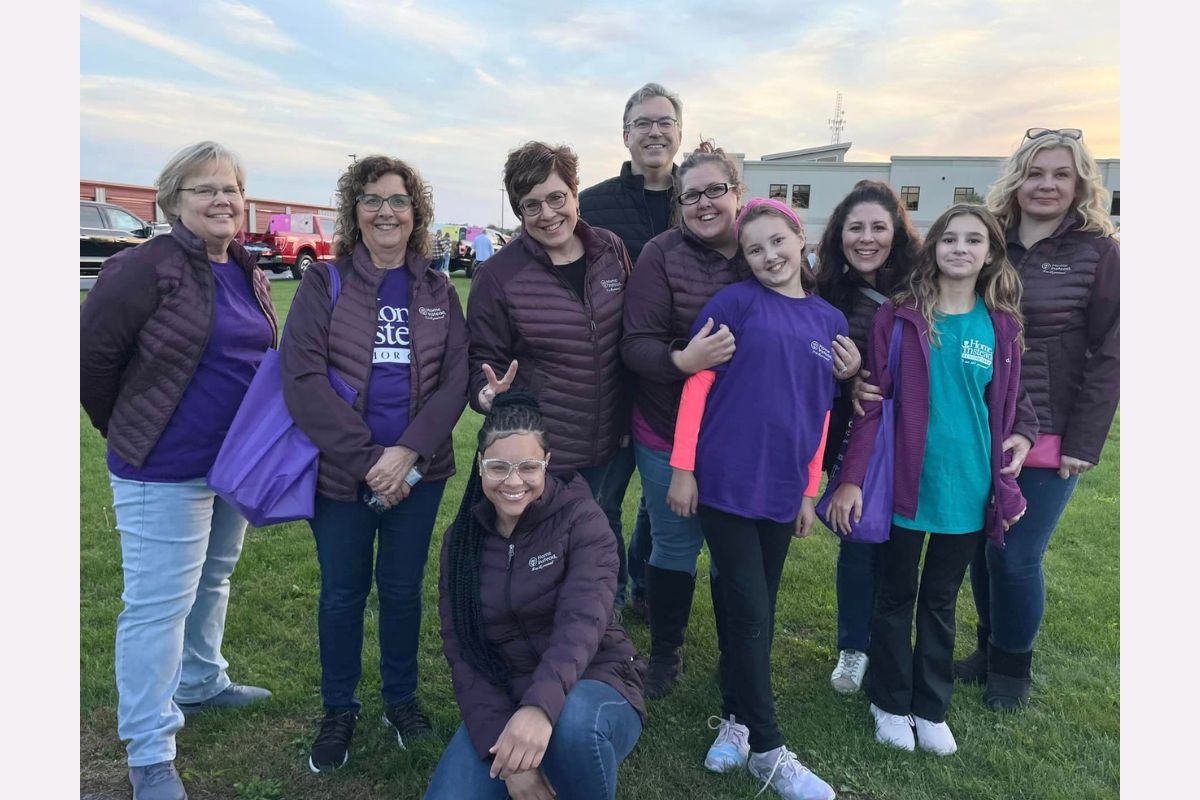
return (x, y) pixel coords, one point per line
(956, 477)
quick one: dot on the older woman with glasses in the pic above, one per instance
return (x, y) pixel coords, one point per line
(169, 340)
(395, 340)
(546, 316)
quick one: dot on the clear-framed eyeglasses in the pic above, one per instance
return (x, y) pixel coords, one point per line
(373, 202)
(210, 192)
(532, 208)
(498, 470)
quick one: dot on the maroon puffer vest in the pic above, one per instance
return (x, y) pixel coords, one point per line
(352, 341)
(173, 339)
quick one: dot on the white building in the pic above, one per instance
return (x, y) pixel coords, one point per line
(814, 180)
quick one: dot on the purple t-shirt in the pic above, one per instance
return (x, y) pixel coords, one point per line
(765, 415)
(240, 335)
(389, 391)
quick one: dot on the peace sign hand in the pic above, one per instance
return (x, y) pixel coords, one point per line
(494, 387)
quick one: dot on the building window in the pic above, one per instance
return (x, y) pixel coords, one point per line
(1116, 204)
(778, 192)
(965, 194)
(800, 194)
(911, 196)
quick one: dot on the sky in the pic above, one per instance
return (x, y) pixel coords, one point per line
(452, 86)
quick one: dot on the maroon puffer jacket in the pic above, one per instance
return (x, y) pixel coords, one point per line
(676, 275)
(1072, 308)
(567, 348)
(314, 341)
(142, 331)
(546, 595)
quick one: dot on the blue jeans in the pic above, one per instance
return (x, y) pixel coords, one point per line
(1011, 580)
(855, 594)
(608, 482)
(676, 541)
(345, 536)
(444, 264)
(596, 730)
(640, 545)
(179, 545)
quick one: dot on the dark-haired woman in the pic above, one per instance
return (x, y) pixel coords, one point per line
(397, 337)
(544, 677)
(866, 252)
(546, 315)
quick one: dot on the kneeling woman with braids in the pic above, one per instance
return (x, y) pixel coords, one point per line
(544, 677)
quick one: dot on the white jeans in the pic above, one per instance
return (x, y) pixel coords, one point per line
(179, 545)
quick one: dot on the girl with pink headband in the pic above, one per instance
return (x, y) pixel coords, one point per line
(747, 456)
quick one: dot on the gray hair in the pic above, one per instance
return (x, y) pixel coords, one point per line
(186, 162)
(653, 90)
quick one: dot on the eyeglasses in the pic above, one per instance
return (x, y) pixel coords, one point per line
(211, 192)
(497, 469)
(712, 192)
(1070, 133)
(643, 125)
(373, 202)
(532, 208)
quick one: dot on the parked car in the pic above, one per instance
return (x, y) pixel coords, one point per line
(105, 229)
(462, 253)
(292, 242)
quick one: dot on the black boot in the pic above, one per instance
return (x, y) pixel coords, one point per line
(1007, 679)
(670, 596)
(974, 668)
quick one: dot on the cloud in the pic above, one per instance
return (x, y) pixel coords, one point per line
(213, 62)
(248, 25)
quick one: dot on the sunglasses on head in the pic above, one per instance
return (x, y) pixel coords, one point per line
(1070, 133)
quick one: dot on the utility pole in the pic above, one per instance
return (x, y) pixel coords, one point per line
(502, 194)
(838, 121)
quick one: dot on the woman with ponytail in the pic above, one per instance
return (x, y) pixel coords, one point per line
(543, 674)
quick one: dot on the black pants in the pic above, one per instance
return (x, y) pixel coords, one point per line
(903, 679)
(749, 555)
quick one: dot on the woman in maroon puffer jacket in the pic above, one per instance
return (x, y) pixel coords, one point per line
(542, 673)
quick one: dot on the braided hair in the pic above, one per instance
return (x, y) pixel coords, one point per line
(513, 412)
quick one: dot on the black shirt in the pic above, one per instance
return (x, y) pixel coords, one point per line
(659, 204)
(575, 275)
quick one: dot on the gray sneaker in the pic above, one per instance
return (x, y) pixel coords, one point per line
(157, 782)
(236, 695)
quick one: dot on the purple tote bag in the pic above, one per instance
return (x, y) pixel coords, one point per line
(876, 523)
(267, 466)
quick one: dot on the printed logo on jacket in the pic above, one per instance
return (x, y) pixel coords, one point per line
(547, 559)
(392, 340)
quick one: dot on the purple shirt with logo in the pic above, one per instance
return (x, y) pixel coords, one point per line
(240, 335)
(389, 391)
(766, 412)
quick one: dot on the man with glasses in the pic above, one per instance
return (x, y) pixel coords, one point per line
(637, 205)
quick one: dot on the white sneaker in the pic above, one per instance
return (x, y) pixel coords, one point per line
(732, 745)
(847, 676)
(783, 772)
(935, 737)
(893, 729)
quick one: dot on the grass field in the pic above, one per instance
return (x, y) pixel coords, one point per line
(1066, 745)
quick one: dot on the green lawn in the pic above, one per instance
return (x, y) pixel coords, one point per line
(1066, 745)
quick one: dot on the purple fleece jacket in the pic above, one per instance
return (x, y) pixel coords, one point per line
(912, 413)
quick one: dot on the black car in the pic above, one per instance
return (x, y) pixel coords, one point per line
(105, 229)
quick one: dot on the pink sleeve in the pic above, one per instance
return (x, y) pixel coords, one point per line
(687, 423)
(814, 466)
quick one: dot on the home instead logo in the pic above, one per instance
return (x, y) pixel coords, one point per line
(541, 562)
(977, 353)
(432, 314)
(611, 285)
(1055, 269)
(820, 350)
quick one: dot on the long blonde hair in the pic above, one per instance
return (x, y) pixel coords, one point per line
(1091, 198)
(998, 281)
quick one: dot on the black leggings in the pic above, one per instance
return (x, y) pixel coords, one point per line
(903, 679)
(749, 555)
